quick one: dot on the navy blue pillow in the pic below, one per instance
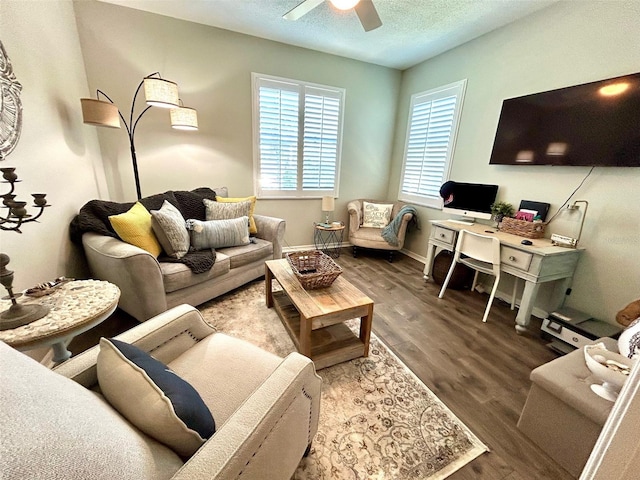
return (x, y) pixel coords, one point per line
(144, 403)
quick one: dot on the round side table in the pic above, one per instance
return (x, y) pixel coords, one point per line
(75, 307)
(328, 238)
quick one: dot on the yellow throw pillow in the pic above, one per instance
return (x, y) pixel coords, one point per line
(134, 227)
(252, 223)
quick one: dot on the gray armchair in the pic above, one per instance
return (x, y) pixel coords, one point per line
(55, 424)
(367, 237)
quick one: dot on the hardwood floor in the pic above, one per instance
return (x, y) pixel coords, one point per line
(479, 370)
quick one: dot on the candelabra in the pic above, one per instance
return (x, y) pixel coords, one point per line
(15, 217)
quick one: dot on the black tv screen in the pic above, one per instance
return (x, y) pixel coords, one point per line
(595, 123)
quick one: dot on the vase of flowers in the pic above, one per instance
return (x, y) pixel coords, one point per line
(499, 210)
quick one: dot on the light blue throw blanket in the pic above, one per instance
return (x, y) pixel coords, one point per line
(390, 232)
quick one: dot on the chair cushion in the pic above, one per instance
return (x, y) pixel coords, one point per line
(176, 276)
(252, 223)
(52, 427)
(152, 397)
(376, 215)
(134, 227)
(257, 250)
(210, 364)
(169, 226)
(218, 233)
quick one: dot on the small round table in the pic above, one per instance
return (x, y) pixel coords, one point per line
(75, 307)
(328, 238)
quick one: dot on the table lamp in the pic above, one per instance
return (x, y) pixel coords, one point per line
(328, 205)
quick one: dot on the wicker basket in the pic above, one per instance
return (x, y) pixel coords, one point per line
(522, 228)
(313, 269)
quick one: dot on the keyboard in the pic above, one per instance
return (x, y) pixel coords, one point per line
(461, 222)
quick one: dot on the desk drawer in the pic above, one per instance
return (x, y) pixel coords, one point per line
(444, 235)
(515, 258)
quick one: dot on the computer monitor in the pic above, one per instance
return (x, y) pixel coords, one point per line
(470, 200)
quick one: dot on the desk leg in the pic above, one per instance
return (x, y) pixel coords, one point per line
(268, 293)
(431, 251)
(365, 330)
(526, 307)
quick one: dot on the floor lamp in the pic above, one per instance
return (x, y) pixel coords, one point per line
(158, 92)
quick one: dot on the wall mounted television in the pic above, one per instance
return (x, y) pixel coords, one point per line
(470, 200)
(595, 123)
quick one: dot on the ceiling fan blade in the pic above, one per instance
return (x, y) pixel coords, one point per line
(368, 15)
(301, 9)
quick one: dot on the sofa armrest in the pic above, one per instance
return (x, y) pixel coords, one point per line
(166, 337)
(271, 229)
(355, 210)
(267, 435)
(134, 270)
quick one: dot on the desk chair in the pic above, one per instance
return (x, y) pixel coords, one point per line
(480, 252)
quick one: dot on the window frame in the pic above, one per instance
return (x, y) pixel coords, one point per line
(458, 88)
(303, 88)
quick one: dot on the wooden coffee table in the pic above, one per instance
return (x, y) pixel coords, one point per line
(314, 318)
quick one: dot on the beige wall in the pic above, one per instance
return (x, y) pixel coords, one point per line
(55, 154)
(213, 70)
(566, 44)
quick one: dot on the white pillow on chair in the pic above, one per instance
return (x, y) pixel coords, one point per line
(376, 215)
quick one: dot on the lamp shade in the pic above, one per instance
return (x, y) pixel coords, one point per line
(161, 93)
(184, 118)
(100, 113)
(328, 204)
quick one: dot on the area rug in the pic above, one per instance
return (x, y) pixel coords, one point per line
(377, 419)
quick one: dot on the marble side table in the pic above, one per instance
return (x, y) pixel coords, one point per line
(75, 307)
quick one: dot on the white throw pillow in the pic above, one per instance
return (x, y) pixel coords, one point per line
(629, 340)
(376, 215)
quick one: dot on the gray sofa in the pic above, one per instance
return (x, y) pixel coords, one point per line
(56, 424)
(150, 286)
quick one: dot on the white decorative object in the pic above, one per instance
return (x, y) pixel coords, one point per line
(10, 106)
(376, 215)
(611, 368)
(629, 340)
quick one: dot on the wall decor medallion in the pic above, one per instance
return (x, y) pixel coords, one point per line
(10, 106)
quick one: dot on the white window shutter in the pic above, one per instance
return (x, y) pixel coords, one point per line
(430, 143)
(297, 138)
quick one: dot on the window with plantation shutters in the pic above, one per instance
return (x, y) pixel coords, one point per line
(297, 138)
(430, 142)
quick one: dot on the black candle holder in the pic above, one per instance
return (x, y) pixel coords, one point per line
(16, 216)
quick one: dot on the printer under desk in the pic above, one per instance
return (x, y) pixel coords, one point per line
(571, 329)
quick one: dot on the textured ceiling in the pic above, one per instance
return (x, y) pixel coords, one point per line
(412, 30)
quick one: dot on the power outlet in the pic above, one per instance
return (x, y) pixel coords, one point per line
(562, 241)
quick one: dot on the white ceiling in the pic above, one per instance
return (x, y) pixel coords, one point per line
(412, 30)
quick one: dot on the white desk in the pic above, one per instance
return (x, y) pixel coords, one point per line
(536, 264)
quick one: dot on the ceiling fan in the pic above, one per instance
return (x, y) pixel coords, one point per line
(364, 9)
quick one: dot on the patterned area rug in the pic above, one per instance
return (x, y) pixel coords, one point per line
(377, 419)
